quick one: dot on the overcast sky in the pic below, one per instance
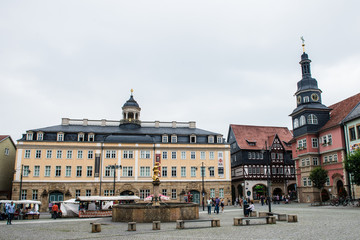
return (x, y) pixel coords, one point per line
(213, 62)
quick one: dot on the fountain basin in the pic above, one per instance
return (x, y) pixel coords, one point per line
(145, 213)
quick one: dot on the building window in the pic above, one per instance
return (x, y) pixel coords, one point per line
(164, 155)
(312, 119)
(57, 171)
(192, 155)
(164, 171)
(27, 153)
(89, 171)
(335, 157)
(306, 99)
(327, 181)
(23, 194)
(91, 137)
(145, 154)
(58, 154)
(352, 134)
(303, 162)
(304, 181)
(128, 154)
(69, 154)
(26, 171)
(315, 142)
(296, 123)
(315, 161)
(77, 193)
(34, 194)
(325, 159)
(211, 171)
(307, 160)
(212, 192)
(107, 154)
(302, 121)
(327, 139)
(174, 139)
(173, 194)
(330, 158)
(164, 192)
(192, 139)
(40, 136)
(47, 171)
(68, 171)
(309, 182)
(219, 139)
(358, 131)
(60, 137)
(106, 192)
(79, 154)
(107, 171)
(144, 193)
(173, 155)
(183, 171)
(165, 139)
(38, 154)
(48, 153)
(144, 171)
(29, 136)
(193, 171)
(90, 154)
(183, 155)
(88, 192)
(210, 139)
(202, 155)
(36, 171)
(113, 154)
(211, 155)
(173, 171)
(81, 137)
(221, 192)
(221, 171)
(302, 144)
(127, 171)
(79, 171)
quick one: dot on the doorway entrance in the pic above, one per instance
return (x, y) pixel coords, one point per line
(56, 196)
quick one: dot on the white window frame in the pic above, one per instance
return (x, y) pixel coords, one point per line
(27, 153)
(40, 136)
(81, 137)
(211, 139)
(90, 154)
(164, 171)
(58, 154)
(78, 171)
(164, 155)
(89, 171)
(80, 154)
(173, 138)
(165, 139)
(47, 172)
(183, 155)
(91, 137)
(202, 155)
(183, 171)
(173, 155)
(29, 136)
(69, 154)
(48, 154)
(315, 142)
(211, 155)
(193, 155)
(193, 171)
(174, 171)
(302, 120)
(38, 154)
(68, 171)
(60, 137)
(36, 171)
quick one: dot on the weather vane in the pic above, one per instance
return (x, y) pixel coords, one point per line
(303, 43)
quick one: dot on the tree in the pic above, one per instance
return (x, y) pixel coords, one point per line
(352, 165)
(319, 177)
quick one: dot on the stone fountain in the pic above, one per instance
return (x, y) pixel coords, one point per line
(156, 210)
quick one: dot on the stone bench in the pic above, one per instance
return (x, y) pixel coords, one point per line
(180, 224)
(238, 221)
(132, 226)
(280, 216)
(96, 227)
(292, 218)
(156, 225)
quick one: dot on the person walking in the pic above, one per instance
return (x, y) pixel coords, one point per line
(10, 209)
(217, 203)
(54, 209)
(222, 204)
(209, 202)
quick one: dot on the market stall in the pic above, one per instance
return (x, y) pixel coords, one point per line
(25, 209)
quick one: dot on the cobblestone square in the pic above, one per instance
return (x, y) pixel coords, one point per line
(326, 222)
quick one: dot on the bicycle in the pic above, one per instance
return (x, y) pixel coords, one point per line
(348, 201)
(335, 202)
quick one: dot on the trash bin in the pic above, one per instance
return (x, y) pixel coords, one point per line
(245, 209)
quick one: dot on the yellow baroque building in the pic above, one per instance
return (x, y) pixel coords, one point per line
(102, 157)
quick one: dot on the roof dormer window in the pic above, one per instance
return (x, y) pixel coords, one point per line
(81, 137)
(211, 139)
(251, 143)
(29, 136)
(91, 137)
(40, 136)
(165, 138)
(219, 139)
(173, 139)
(60, 137)
(193, 139)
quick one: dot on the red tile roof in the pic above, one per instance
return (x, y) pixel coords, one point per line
(259, 134)
(340, 110)
(3, 137)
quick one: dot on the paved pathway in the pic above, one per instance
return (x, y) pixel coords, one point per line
(314, 223)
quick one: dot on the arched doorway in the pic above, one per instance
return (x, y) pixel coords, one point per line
(277, 191)
(56, 196)
(340, 189)
(127, 193)
(240, 191)
(195, 196)
(258, 191)
(292, 191)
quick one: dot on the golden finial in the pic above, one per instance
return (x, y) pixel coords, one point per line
(132, 90)
(303, 43)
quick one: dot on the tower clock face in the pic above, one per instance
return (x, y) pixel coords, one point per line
(315, 97)
(299, 99)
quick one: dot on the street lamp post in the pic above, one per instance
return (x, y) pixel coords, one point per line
(203, 192)
(114, 167)
(21, 177)
(268, 175)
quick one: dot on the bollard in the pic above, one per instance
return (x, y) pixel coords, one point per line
(96, 227)
(132, 226)
(156, 225)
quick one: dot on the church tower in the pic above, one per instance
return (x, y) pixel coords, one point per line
(131, 113)
(310, 114)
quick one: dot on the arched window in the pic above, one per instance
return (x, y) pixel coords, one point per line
(302, 120)
(296, 123)
(312, 119)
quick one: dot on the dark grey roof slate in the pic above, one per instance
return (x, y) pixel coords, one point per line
(355, 113)
(131, 102)
(129, 139)
(124, 131)
(310, 106)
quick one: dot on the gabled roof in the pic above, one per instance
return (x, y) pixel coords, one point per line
(4, 137)
(340, 110)
(354, 114)
(260, 135)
